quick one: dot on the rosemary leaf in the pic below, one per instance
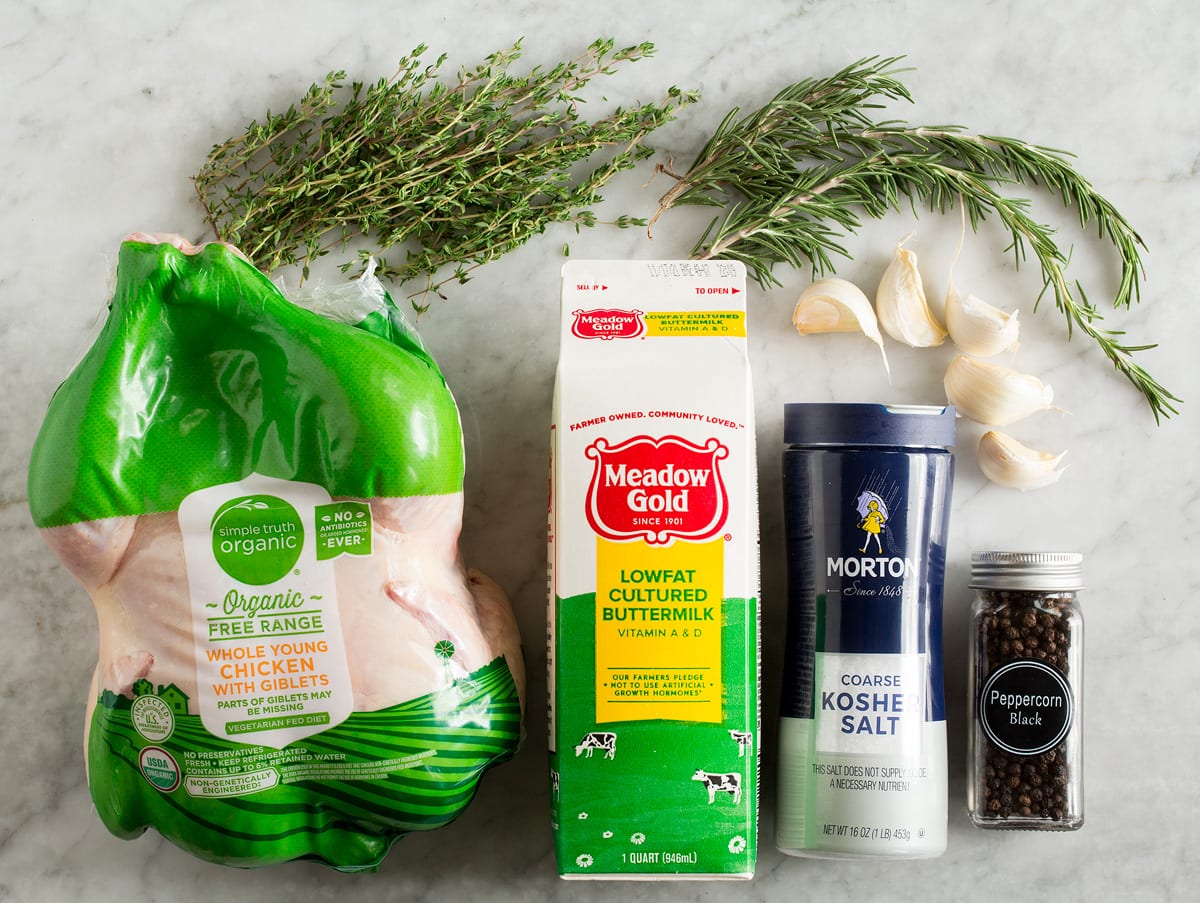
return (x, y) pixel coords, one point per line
(794, 178)
(450, 175)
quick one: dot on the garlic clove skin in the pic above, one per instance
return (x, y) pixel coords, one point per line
(980, 328)
(1007, 462)
(994, 395)
(900, 303)
(836, 305)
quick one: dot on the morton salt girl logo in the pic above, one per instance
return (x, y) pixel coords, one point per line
(608, 323)
(657, 489)
(874, 512)
(875, 538)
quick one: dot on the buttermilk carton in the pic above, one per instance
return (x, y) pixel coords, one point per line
(653, 553)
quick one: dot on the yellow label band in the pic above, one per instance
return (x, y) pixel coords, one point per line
(658, 630)
(698, 322)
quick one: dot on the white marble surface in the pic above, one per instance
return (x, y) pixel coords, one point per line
(109, 107)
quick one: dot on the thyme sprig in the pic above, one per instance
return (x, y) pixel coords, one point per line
(794, 178)
(455, 175)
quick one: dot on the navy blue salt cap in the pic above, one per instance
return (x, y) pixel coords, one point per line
(911, 426)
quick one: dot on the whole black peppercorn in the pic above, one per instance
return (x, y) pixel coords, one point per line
(1026, 676)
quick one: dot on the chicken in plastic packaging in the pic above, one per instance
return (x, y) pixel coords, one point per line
(264, 505)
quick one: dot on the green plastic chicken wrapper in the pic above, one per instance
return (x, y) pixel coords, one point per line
(264, 505)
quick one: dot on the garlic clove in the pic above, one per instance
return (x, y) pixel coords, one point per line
(975, 326)
(836, 305)
(978, 327)
(900, 303)
(995, 395)
(1007, 462)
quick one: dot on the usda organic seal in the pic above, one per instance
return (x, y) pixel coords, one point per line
(159, 768)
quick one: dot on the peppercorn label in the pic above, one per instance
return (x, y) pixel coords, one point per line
(652, 627)
(1026, 708)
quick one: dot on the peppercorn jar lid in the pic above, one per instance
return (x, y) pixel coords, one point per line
(1027, 570)
(909, 426)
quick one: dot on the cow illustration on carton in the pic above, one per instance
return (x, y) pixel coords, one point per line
(605, 740)
(744, 741)
(730, 783)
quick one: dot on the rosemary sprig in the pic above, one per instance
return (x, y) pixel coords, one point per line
(455, 175)
(794, 177)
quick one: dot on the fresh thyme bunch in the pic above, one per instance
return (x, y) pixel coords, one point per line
(793, 177)
(456, 175)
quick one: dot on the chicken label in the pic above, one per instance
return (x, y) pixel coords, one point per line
(343, 528)
(270, 663)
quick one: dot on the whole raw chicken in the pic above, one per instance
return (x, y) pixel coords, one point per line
(407, 680)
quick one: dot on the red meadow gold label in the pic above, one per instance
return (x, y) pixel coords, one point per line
(608, 323)
(657, 490)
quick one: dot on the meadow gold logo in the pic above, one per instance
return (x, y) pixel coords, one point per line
(608, 323)
(657, 490)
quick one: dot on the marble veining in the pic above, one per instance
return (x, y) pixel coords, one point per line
(110, 107)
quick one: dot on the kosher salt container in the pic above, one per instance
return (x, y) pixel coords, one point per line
(862, 759)
(1025, 746)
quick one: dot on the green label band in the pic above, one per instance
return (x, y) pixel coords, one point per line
(342, 797)
(655, 797)
(204, 373)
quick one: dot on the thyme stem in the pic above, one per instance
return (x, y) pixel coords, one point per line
(452, 175)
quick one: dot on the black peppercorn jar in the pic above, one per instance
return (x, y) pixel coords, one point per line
(1025, 746)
